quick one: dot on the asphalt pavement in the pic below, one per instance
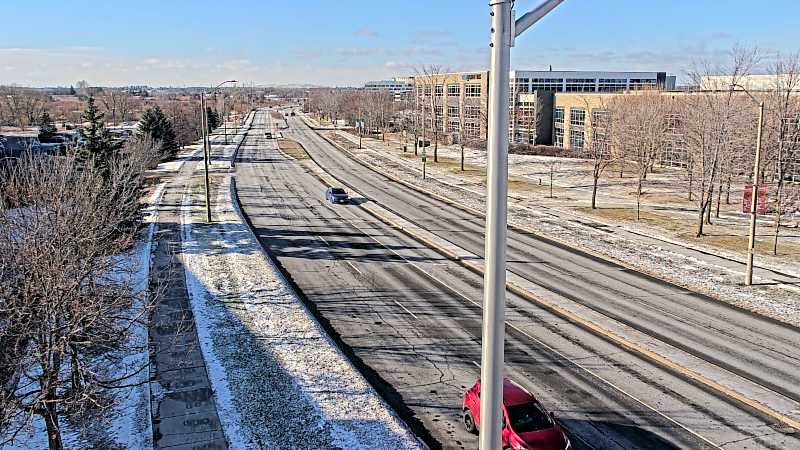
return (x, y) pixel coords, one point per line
(410, 319)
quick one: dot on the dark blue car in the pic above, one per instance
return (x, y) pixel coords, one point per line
(336, 195)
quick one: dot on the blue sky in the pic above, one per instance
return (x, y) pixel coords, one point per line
(346, 42)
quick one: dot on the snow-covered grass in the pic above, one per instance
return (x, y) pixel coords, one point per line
(279, 380)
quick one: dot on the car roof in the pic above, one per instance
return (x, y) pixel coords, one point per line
(513, 394)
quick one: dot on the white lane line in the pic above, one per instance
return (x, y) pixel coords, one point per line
(562, 355)
(406, 309)
(354, 267)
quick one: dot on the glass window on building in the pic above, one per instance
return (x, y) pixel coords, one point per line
(472, 90)
(576, 139)
(577, 117)
(453, 90)
(452, 112)
(612, 84)
(558, 115)
(642, 83)
(580, 84)
(439, 90)
(547, 84)
(472, 129)
(472, 112)
(558, 137)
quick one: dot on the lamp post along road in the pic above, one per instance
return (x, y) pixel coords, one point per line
(751, 242)
(207, 147)
(204, 124)
(751, 247)
(504, 30)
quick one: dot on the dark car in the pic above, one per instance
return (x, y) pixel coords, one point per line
(336, 195)
(526, 424)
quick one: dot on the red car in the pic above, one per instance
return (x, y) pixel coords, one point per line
(526, 424)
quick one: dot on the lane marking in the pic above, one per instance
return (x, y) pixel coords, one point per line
(406, 309)
(354, 267)
(562, 355)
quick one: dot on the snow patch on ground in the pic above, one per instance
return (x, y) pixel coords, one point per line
(129, 425)
(278, 378)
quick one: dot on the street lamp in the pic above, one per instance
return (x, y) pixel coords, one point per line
(206, 147)
(504, 30)
(751, 243)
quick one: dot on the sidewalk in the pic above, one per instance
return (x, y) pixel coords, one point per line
(720, 277)
(276, 377)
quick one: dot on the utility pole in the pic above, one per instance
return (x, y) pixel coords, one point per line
(751, 242)
(204, 123)
(503, 31)
(207, 146)
(751, 247)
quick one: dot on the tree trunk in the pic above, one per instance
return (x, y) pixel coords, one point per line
(53, 429)
(551, 182)
(719, 199)
(594, 191)
(778, 211)
(436, 146)
(639, 197)
(691, 180)
(700, 216)
(462, 156)
(728, 191)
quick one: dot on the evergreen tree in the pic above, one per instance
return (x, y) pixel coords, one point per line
(157, 127)
(47, 128)
(213, 118)
(98, 145)
(72, 90)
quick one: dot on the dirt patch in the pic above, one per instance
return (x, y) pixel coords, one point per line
(276, 115)
(292, 149)
(723, 237)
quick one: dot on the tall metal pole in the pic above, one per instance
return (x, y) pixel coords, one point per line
(504, 30)
(206, 154)
(494, 280)
(751, 248)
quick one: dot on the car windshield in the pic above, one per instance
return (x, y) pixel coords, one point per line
(338, 191)
(528, 417)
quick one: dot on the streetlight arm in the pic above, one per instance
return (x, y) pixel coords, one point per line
(531, 17)
(744, 89)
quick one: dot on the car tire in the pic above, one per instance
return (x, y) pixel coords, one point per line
(469, 422)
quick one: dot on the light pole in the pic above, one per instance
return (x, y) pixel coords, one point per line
(504, 30)
(751, 242)
(206, 147)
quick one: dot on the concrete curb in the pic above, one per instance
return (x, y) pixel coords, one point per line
(588, 325)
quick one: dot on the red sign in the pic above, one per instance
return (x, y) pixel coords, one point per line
(747, 199)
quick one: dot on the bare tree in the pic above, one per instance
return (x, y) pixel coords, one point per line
(68, 302)
(22, 106)
(553, 165)
(717, 126)
(432, 80)
(599, 145)
(782, 129)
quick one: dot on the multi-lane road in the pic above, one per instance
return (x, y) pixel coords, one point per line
(410, 318)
